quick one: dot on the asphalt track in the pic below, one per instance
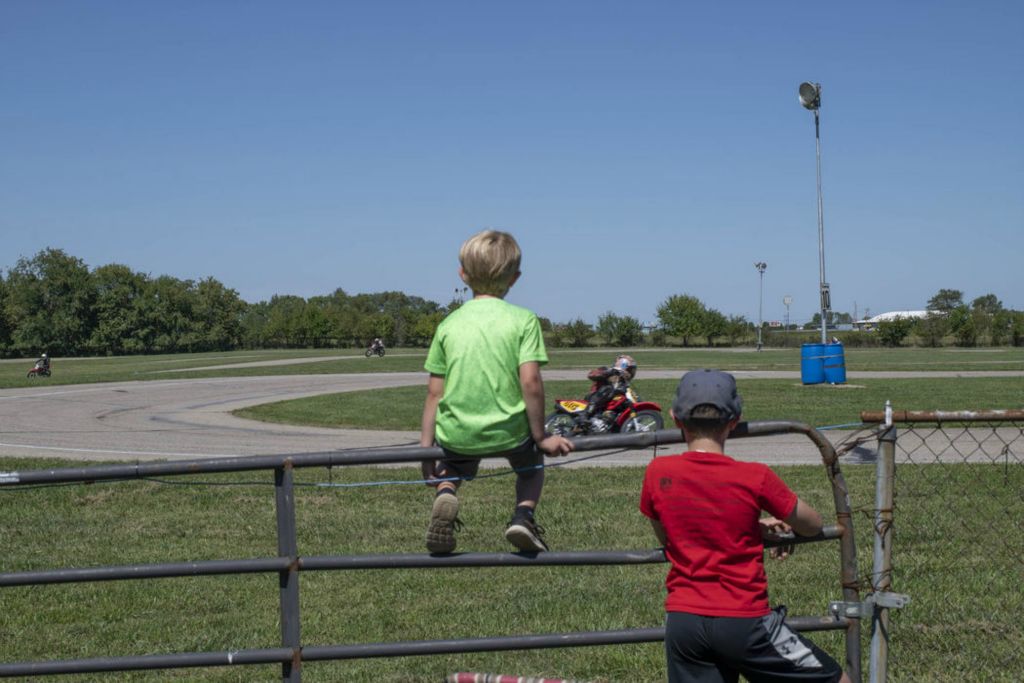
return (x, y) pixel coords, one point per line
(188, 419)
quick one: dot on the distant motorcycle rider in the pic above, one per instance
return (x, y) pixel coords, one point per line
(376, 344)
(608, 382)
(44, 362)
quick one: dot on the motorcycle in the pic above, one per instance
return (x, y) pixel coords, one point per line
(39, 370)
(625, 412)
(375, 350)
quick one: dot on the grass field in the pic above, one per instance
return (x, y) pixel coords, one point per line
(959, 536)
(326, 361)
(963, 623)
(763, 399)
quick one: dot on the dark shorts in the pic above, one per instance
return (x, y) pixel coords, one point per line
(524, 458)
(720, 649)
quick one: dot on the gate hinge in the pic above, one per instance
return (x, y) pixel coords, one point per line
(866, 609)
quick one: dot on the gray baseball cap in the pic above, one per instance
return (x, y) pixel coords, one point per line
(707, 387)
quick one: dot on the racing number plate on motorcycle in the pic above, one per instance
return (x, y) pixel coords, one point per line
(572, 406)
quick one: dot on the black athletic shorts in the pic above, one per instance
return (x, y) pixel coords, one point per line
(524, 458)
(720, 649)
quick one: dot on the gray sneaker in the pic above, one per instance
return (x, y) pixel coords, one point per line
(444, 522)
(525, 534)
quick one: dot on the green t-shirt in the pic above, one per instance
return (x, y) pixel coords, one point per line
(478, 349)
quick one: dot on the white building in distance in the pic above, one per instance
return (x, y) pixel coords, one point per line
(872, 322)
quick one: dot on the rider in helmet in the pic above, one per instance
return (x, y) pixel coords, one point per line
(609, 382)
(44, 362)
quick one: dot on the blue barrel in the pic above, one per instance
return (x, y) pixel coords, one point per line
(812, 363)
(835, 364)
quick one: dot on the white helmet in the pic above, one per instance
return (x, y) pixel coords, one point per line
(626, 366)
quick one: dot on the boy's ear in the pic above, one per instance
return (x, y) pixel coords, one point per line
(672, 414)
(462, 274)
(514, 278)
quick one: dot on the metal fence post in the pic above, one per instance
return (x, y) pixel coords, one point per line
(881, 571)
(288, 579)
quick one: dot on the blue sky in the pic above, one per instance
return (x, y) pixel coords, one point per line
(636, 150)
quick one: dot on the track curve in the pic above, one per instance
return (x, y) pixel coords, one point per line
(191, 418)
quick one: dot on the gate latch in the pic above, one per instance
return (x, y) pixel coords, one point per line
(866, 609)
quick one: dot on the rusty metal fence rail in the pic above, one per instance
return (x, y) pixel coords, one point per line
(961, 474)
(289, 562)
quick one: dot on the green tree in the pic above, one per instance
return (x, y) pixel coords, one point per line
(736, 328)
(892, 332)
(403, 310)
(962, 324)
(376, 325)
(5, 325)
(285, 325)
(119, 294)
(629, 332)
(987, 303)
(216, 316)
(945, 300)
(621, 330)
(577, 333)
(342, 314)
(50, 304)
(167, 315)
(932, 329)
(713, 324)
(1001, 328)
(983, 311)
(424, 329)
(607, 327)
(1017, 328)
(682, 316)
(314, 327)
(253, 324)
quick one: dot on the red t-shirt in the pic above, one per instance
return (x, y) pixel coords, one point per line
(709, 505)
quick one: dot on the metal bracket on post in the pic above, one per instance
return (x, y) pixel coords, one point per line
(866, 609)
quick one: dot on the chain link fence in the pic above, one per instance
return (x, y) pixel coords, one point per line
(957, 544)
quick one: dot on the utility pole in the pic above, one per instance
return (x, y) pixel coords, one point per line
(761, 266)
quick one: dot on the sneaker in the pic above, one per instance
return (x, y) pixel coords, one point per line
(525, 534)
(444, 522)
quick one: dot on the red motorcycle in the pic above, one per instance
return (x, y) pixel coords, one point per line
(625, 412)
(39, 370)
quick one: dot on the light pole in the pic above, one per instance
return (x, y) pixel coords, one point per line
(810, 98)
(787, 301)
(761, 266)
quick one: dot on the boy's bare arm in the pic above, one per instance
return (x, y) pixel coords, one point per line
(435, 390)
(804, 519)
(533, 395)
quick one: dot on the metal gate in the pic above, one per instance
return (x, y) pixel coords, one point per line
(289, 562)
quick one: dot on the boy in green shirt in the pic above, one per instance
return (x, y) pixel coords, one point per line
(485, 394)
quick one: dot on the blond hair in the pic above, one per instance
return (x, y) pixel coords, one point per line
(490, 262)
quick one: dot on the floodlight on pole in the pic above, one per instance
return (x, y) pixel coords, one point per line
(761, 266)
(810, 95)
(810, 98)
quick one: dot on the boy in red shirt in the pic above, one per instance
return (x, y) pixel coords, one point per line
(706, 508)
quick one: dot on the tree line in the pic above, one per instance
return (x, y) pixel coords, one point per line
(984, 321)
(52, 302)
